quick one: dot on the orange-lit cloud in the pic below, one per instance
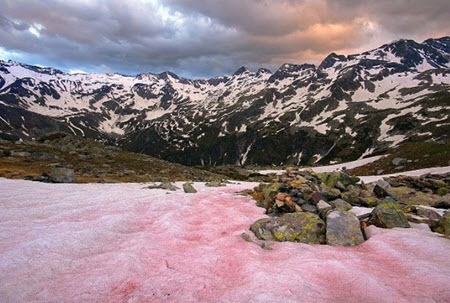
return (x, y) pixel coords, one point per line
(207, 37)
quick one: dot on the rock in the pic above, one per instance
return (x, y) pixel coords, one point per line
(269, 191)
(323, 206)
(168, 186)
(399, 161)
(246, 237)
(281, 196)
(298, 182)
(329, 193)
(62, 175)
(42, 156)
(340, 204)
(361, 212)
(24, 154)
(443, 202)
(215, 184)
(429, 212)
(388, 215)
(343, 229)
(2, 153)
(331, 179)
(316, 197)
(381, 189)
(266, 246)
(351, 197)
(369, 201)
(189, 188)
(293, 227)
(309, 208)
(444, 225)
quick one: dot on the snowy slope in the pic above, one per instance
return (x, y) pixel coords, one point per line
(87, 243)
(362, 103)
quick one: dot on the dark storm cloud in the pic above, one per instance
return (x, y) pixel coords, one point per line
(206, 37)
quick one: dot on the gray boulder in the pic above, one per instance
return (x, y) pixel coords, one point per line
(169, 186)
(430, 212)
(399, 161)
(343, 229)
(62, 175)
(188, 188)
(382, 189)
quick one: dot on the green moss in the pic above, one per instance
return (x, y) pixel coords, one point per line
(442, 191)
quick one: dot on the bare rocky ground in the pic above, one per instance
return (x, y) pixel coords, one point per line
(61, 158)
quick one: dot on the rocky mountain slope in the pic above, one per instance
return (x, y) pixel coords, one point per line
(63, 158)
(346, 108)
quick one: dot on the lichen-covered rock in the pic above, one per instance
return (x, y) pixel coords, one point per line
(329, 193)
(331, 179)
(388, 215)
(293, 227)
(352, 197)
(369, 201)
(343, 229)
(444, 225)
(340, 204)
(62, 175)
(189, 188)
(269, 192)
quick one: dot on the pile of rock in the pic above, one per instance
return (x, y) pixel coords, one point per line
(334, 208)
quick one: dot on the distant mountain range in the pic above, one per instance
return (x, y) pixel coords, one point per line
(346, 108)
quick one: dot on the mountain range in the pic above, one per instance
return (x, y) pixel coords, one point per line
(347, 107)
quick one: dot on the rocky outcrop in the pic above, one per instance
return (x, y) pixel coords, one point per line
(391, 202)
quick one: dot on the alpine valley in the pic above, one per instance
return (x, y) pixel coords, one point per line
(346, 108)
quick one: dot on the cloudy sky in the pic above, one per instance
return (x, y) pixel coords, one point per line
(202, 38)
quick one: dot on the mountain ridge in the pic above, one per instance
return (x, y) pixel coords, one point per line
(345, 108)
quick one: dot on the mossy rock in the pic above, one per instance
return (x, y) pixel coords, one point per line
(388, 215)
(444, 225)
(351, 197)
(269, 191)
(298, 183)
(329, 193)
(340, 204)
(293, 227)
(369, 201)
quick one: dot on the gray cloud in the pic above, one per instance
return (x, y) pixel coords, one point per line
(206, 37)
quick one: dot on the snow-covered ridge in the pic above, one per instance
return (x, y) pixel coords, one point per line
(391, 81)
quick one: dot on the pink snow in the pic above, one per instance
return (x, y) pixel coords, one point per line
(122, 243)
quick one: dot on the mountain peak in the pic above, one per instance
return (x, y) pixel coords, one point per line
(241, 70)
